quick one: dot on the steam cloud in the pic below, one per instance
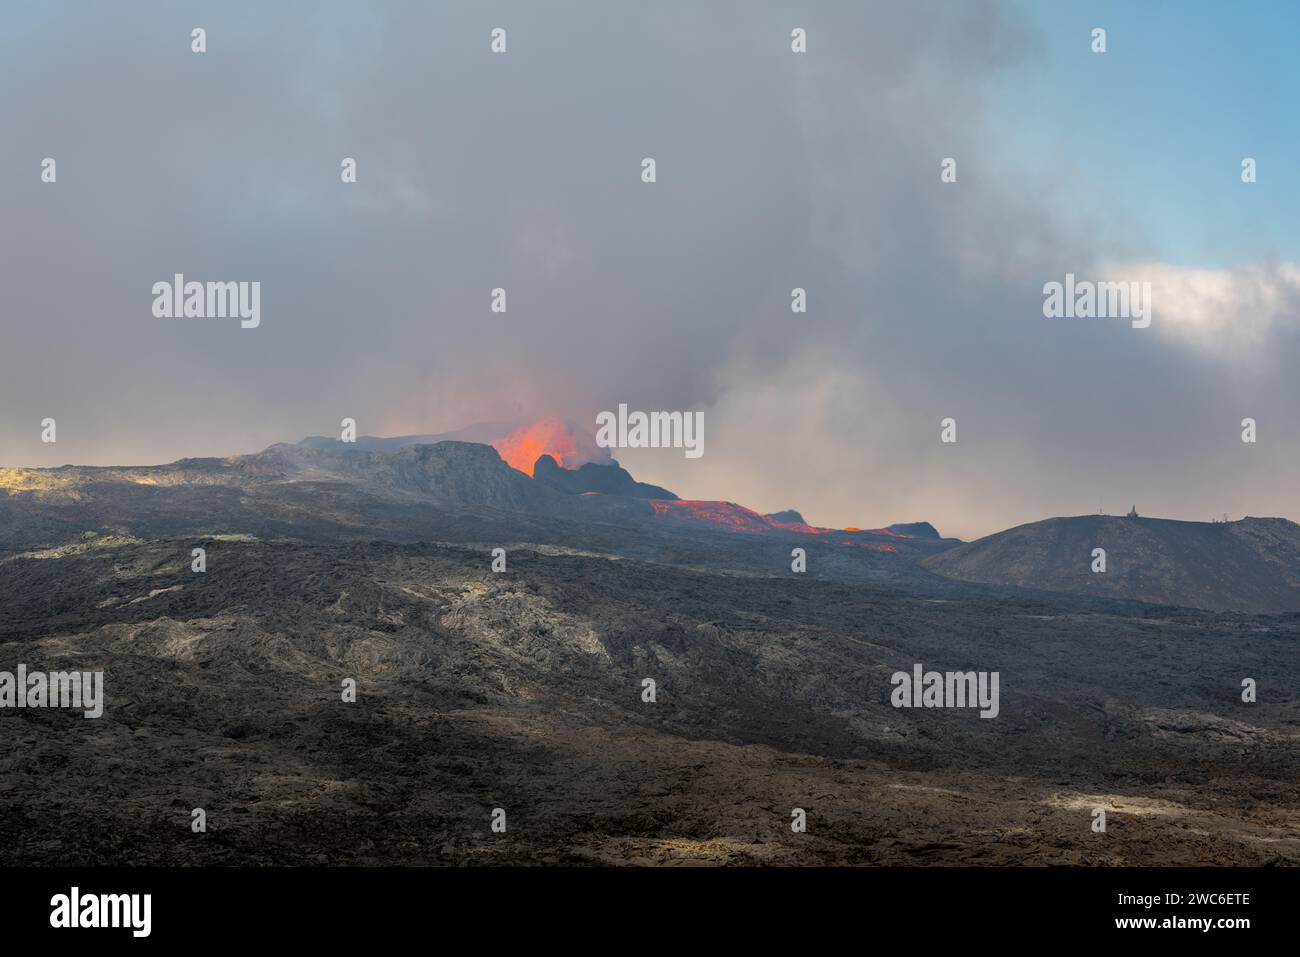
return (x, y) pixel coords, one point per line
(521, 171)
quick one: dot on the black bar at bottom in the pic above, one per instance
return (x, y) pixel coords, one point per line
(652, 907)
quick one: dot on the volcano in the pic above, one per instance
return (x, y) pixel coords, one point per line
(611, 479)
(520, 445)
(568, 446)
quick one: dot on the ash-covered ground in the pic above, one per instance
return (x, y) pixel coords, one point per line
(522, 690)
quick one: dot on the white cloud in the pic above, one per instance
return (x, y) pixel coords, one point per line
(1231, 313)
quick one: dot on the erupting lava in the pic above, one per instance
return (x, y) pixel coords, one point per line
(728, 516)
(571, 448)
(549, 436)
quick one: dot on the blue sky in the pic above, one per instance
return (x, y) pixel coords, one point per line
(1156, 127)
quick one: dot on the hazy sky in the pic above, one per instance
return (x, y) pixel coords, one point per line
(775, 170)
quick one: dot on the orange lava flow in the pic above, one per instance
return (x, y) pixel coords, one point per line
(728, 516)
(524, 446)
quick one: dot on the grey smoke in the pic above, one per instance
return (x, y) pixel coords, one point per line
(522, 171)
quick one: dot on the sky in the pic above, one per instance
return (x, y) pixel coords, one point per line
(775, 170)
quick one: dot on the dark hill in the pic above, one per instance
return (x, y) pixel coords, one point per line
(1250, 565)
(610, 479)
(915, 529)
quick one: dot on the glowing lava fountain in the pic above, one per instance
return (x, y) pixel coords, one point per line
(549, 436)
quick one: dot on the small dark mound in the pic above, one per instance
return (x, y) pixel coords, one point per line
(915, 529)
